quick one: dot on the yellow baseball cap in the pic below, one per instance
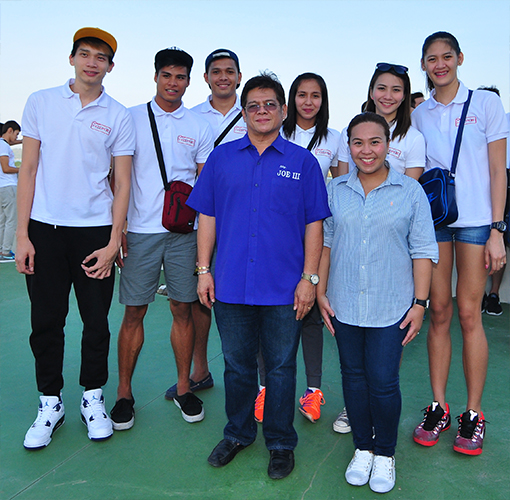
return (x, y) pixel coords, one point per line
(97, 33)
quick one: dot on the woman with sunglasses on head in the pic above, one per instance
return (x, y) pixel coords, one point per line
(375, 273)
(307, 125)
(476, 238)
(389, 96)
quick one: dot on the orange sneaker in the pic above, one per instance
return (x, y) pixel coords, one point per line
(259, 405)
(311, 403)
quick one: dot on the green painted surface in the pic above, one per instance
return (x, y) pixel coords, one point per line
(164, 457)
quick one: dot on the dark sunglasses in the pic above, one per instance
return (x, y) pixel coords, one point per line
(401, 70)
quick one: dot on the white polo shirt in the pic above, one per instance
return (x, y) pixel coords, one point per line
(71, 186)
(403, 153)
(186, 139)
(7, 179)
(219, 123)
(326, 151)
(485, 122)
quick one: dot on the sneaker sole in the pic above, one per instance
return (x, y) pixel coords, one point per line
(308, 416)
(472, 453)
(100, 438)
(430, 443)
(123, 426)
(190, 418)
(493, 313)
(59, 424)
(341, 429)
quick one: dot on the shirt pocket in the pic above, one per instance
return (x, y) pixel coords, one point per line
(285, 197)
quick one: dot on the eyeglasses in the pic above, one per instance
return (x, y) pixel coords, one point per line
(401, 70)
(268, 106)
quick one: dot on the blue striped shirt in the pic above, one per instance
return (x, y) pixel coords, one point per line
(373, 242)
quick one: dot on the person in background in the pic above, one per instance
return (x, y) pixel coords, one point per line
(389, 95)
(475, 239)
(491, 303)
(307, 125)
(375, 274)
(416, 99)
(70, 134)
(8, 183)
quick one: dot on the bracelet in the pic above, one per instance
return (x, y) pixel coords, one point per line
(200, 268)
(206, 271)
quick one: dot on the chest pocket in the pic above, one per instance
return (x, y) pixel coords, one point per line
(285, 196)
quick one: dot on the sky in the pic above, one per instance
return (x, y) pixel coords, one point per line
(342, 40)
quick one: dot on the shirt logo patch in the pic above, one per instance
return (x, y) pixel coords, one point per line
(395, 152)
(470, 120)
(283, 172)
(239, 129)
(188, 141)
(101, 128)
(323, 152)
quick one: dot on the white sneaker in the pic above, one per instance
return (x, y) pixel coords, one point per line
(50, 417)
(342, 424)
(358, 470)
(93, 415)
(383, 474)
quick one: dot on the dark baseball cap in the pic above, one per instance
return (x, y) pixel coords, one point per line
(220, 54)
(174, 56)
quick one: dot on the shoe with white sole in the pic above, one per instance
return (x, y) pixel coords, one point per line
(342, 424)
(93, 415)
(359, 468)
(49, 418)
(382, 478)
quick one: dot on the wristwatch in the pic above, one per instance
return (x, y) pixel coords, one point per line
(312, 278)
(423, 303)
(501, 226)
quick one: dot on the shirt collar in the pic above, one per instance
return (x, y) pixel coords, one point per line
(309, 131)
(178, 113)
(393, 178)
(460, 97)
(67, 93)
(207, 106)
(278, 143)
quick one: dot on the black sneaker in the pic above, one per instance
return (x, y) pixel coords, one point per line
(123, 414)
(493, 306)
(190, 406)
(484, 303)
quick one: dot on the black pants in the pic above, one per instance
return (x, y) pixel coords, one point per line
(59, 252)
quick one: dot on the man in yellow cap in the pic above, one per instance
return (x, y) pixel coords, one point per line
(70, 226)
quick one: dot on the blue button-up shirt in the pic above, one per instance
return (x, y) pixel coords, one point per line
(373, 241)
(262, 204)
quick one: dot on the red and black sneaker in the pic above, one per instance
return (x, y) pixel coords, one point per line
(436, 420)
(469, 439)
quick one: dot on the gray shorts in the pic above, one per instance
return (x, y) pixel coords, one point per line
(140, 275)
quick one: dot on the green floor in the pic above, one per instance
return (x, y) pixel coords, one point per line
(165, 457)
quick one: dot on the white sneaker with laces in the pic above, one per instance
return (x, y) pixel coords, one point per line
(93, 415)
(49, 418)
(342, 424)
(358, 470)
(383, 474)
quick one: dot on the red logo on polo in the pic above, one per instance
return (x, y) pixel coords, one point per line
(470, 120)
(323, 152)
(101, 128)
(240, 129)
(182, 139)
(394, 152)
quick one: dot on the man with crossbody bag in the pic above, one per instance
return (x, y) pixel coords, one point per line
(178, 142)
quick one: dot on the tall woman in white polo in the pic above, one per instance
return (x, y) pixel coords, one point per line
(478, 248)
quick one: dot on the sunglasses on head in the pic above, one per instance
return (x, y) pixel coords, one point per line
(401, 70)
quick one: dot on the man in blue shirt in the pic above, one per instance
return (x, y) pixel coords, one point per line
(262, 199)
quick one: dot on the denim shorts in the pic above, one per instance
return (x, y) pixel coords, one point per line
(473, 235)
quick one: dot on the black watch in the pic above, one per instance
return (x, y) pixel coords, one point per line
(423, 303)
(501, 226)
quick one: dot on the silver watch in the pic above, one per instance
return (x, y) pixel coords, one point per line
(312, 278)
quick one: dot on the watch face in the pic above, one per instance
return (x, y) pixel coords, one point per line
(501, 226)
(314, 278)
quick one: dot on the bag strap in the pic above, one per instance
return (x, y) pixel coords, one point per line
(458, 139)
(228, 129)
(157, 145)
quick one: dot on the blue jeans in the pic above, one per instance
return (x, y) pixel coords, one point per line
(369, 360)
(242, 330)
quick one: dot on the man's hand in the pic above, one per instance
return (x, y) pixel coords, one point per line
(25, 252)
(304, 297)
(205, 290)
(102, 266)
(123, 252)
